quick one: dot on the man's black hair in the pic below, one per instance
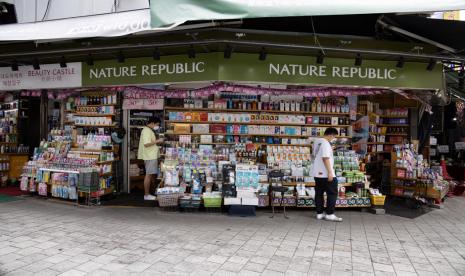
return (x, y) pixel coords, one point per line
(154, 120)
(331, 131)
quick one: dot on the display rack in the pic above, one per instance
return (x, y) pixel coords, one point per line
(245, 135)
(13, 154)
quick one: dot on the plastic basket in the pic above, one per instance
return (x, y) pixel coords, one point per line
(212, 202)
(168, 200)
(378, 200)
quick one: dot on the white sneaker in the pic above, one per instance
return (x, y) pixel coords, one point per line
(333, 217)
(320, 216)
(149, 197)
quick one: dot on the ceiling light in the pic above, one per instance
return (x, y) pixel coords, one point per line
(431, 65)
(156, 54)
(14, 66)
(227, 51)
(320, 58)
(191, 52)
(400, 62)
(358, 60)
(263, 54)
(35, 64)
(63, 62)
(454, 119)
(90, 60)
(121, 57)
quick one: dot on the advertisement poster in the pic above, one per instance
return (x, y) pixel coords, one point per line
(360, 134)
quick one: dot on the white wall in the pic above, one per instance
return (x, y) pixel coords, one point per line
(34, 10)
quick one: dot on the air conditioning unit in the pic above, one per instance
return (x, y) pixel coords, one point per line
(7, 13)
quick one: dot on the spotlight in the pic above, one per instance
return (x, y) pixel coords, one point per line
(156, 54)
(400, 63)
(431, 65)
(227, 51)
(120, 57)
(14, 66)
(63, 62)
(320, 58)
(35, 64)
(358, 60)
(191, 52)
(454, 119)
(90, 60)
(263, 54)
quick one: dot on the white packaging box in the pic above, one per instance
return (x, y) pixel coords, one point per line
(245, 194)
(250, 201)
(232, 201)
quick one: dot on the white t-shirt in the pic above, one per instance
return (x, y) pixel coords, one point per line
(322, 149)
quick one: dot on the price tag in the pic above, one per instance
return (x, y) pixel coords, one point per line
(432, 152)
(443, 149)
(133, 104)
(153, 104)
(460, 145)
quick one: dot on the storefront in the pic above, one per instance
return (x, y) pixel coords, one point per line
(229, 122)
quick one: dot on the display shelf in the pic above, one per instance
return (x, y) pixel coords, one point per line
(249, 142)
(378, 152)
(236, 134)
(91, 151)
(14, 154)
(381, 143)
(12, 133)
(112, 126)
(106, 162)
(393, 116)
(393, 125)
(8, 143)
(408, 179)
(58, 170)
(407, 187)
(311, 184)
(253, 123)
(106, 174)
(394, 134)
(106, 191)
(94, 115)
(254, 111)
(96, 105)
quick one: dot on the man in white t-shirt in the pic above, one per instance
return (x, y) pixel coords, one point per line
(325, 177)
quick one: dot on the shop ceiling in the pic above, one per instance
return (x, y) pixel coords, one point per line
(372, 36)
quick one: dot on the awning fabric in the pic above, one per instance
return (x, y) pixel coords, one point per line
(105, 25)
(168, 12)
(447, 32)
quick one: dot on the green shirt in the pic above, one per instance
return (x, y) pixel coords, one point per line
(147, 153)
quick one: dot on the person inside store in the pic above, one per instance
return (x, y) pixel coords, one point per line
(325, 177)
(150, 152)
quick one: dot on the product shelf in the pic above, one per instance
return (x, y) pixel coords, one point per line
(111, 126)
(94, 115)
(255, 111)
(253, 123)
(237, 134)
(393, 125)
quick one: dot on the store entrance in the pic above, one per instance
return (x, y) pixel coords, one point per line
(137, 119)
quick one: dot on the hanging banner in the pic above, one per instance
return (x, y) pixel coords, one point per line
(48, 76)
(143, 104)
(167, 12)
(104, 25)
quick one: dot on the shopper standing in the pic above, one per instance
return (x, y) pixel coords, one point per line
(149, 152)
(325, 177)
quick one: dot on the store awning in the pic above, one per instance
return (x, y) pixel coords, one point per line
(105, 25)
(446, 32)
(169, 12)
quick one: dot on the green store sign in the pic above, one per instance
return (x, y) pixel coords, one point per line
(282, 69)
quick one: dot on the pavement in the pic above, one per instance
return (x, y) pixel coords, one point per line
(40, 237)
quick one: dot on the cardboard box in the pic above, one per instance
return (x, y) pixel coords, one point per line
(232, 201)
(250, 201)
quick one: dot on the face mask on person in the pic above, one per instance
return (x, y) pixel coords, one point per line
(156, 127)
(333, 141)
